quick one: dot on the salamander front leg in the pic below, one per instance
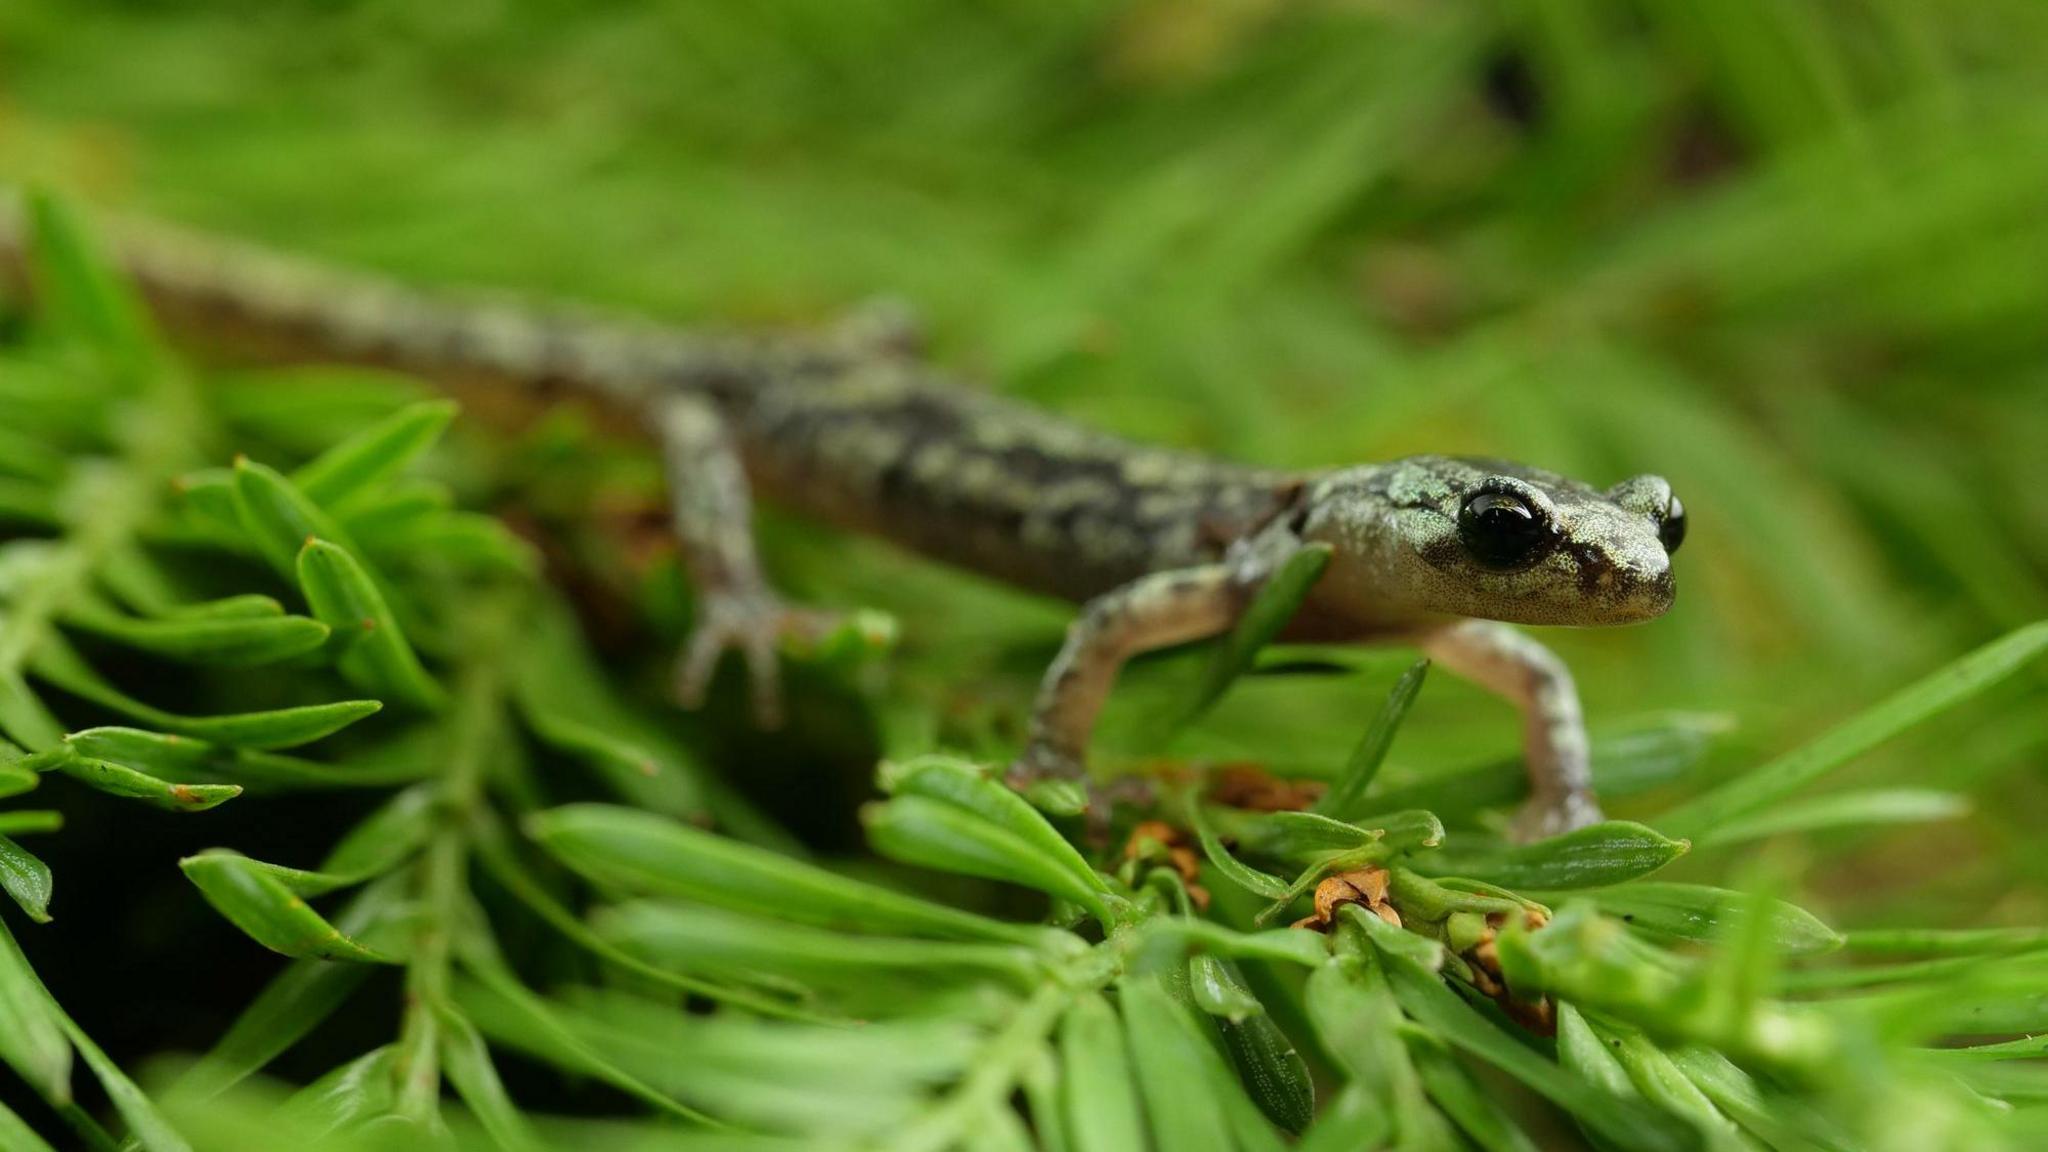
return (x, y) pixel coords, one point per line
(1530, 676)
(1153, 611)
(736, 608)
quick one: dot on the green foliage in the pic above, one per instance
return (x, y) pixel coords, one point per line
(1759, 248)
(963, 1009)
(1345, 798)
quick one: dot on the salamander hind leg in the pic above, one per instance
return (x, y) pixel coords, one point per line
(1530, 676)
(737, 610)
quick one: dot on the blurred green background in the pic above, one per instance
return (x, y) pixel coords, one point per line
(1791, 254)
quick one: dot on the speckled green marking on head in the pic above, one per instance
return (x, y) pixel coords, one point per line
(1165, 547)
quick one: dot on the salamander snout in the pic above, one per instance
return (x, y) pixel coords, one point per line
(1652, 496)
(1544, 550)
(1629, 579)
(1631, 541)
(1426, 537)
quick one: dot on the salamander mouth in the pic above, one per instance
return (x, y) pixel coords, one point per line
(1637, 597)
(1597, 590)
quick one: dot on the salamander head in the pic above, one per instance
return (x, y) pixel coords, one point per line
(1439, 535)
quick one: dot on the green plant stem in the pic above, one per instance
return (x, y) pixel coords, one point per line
(1002, 1063)
(1008, 1056)
(89, 1130)
(474, 723)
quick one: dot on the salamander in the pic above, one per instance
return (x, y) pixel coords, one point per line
(1159, 547)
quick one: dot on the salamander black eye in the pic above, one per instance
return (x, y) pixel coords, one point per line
(1671, 526)
(1502, 531)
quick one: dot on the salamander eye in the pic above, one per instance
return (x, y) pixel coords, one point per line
(1502, 531)
(1671, 526)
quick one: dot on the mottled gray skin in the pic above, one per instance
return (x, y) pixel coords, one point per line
(1163, 547)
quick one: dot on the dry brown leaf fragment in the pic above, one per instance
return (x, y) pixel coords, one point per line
(1366, 887)
(1158, 839)
(1251, 787)
(1538, 1015)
